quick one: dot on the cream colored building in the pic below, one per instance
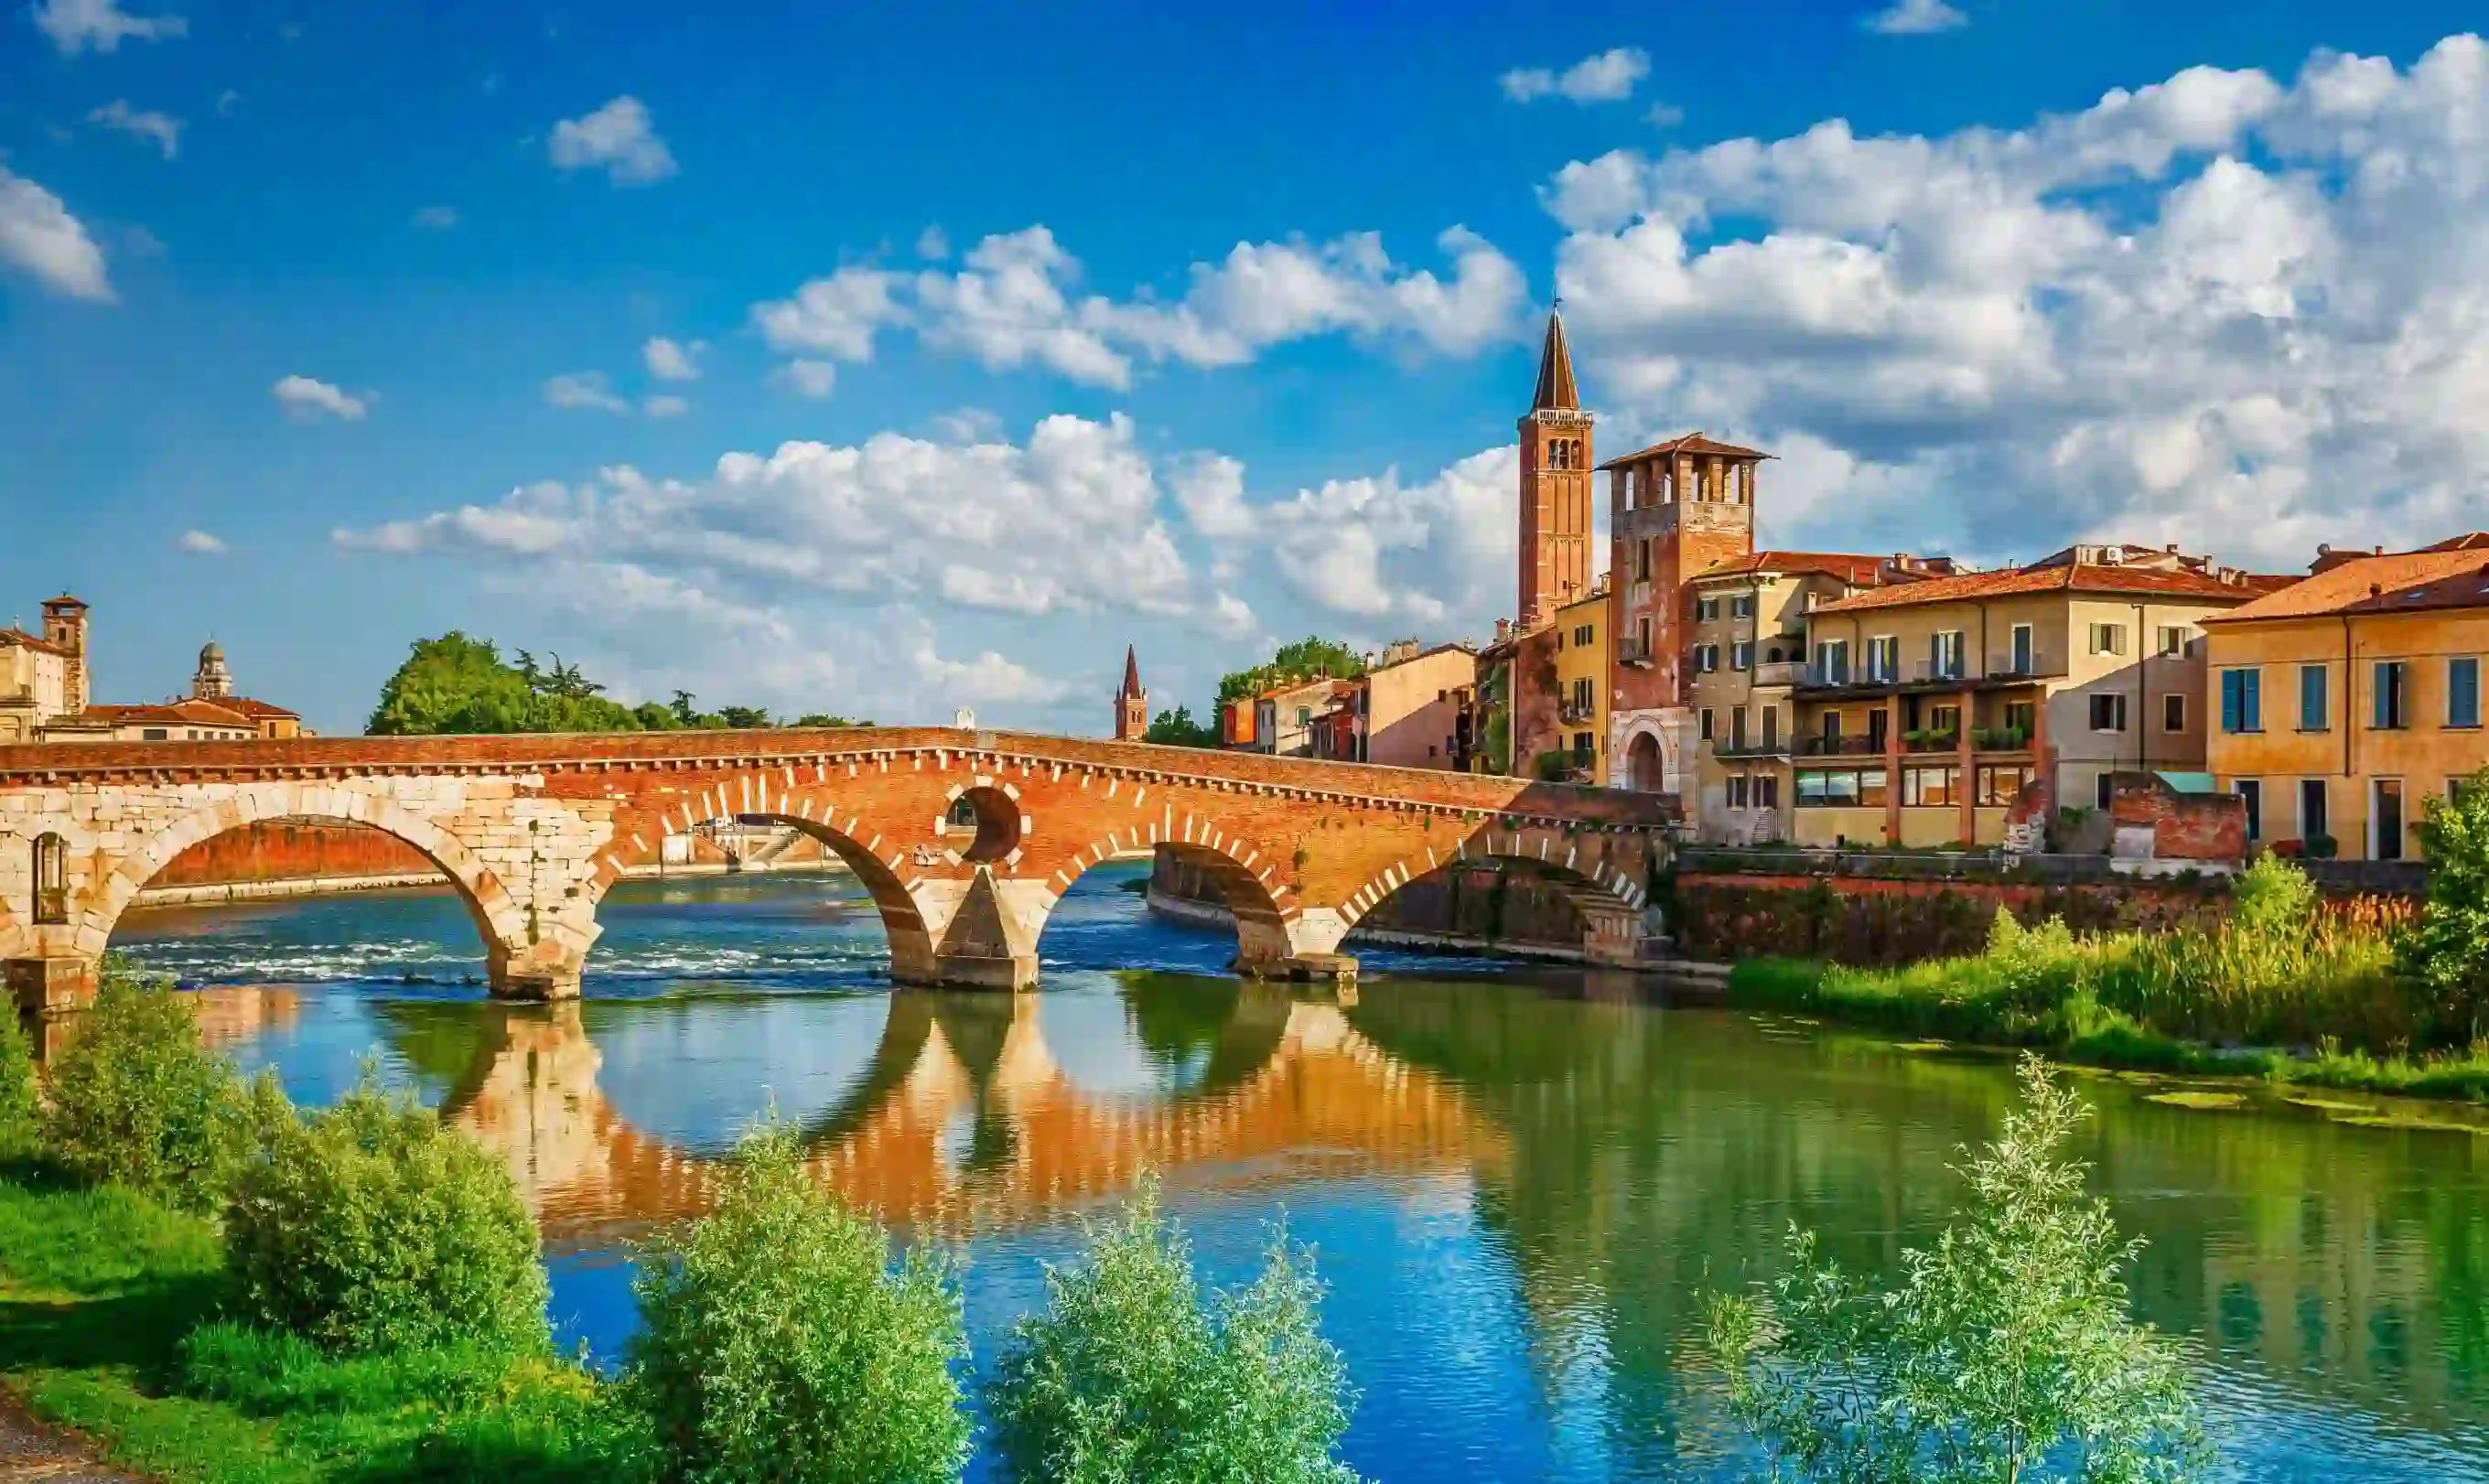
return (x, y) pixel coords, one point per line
(1926, 706)
(1410, 706)
(44, 693)
(1747, 650)
(1583, 663)
(43, 676)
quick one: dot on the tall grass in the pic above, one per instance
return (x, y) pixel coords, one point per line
(2289, 986)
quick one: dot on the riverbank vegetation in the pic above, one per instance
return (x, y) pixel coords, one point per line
(2005, 1352)
(2359, 995)
(455, 685)
(224, 1289)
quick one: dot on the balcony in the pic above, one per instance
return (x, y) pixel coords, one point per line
(1768, 747)
(1574, 715)
(1781, 672)
(1633, 652)
(1841, 747)
(1927, 676)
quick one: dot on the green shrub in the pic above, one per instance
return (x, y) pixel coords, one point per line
(18, 1104)
(2004, 1352)
(138, 1100)
(370, 1226)
(778, 1343)
(1128, 1378)
(2446, 948)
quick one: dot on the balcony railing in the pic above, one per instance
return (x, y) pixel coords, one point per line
(1633, 652)
(2001, 667)
(1575, 715)
(1842, 747)
(1768, 747)
(1781, 672)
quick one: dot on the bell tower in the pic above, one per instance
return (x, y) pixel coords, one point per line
(1555, 486)
(64, 626)
(1131, 703)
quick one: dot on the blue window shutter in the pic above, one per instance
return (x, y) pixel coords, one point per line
(2251, 705)
(2463, 693)
(2232, 699)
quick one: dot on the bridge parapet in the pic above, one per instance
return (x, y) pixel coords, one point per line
(964, 840)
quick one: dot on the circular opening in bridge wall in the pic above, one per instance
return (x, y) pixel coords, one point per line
(992, 815)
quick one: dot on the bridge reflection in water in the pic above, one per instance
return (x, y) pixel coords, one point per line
(965, 1119)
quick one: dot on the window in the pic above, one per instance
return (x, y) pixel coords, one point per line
(2108, 713)
(1305, 716)
(1771, 729)
(1706, 658)
(2108, 639)
(1642, 636)
(153, 734)
(1706, 611)
(2020, 717)
(51, 881)
(2388, 696)
(2463, 692)
(2001, 783)
(1931, 787)
(1583, 695)
(1871, 787)
(2173, 712)
(2023, 661)
(1946, 721)
(1832, 732)
(1642, 561)
(1738, 793)
(1883, 658)
(2173, 639)
(2102, 788)
(1832, 661)
(1944, 655)
(1768, 790)
(2315, 710)
(1741, 654)
(2386, 820)
(2243, 701)
(1741, 605)
(1738, 729)
(1585, 634)
(2253, 791)
(1703, 720)
(2315, 819)
(1583, 748)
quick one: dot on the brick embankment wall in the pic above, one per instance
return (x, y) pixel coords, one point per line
(1874, 923)
(1470, 909)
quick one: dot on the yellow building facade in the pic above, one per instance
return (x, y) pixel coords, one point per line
(1928, 704)
(1582, 685)
(2340, 706)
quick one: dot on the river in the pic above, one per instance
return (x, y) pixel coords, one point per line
(1518, 1182)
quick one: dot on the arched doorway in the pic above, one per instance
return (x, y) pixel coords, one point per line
(1645, 766)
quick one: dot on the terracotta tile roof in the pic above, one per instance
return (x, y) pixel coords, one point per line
(64, 601)
(25, 641)
(2452, 574)
(183, 713)
(1689, 442)
(1848, 566)
(257, 710)
(2083, 578)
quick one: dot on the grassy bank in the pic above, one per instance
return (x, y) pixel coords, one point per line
(107, 1323)
(1972, 1000)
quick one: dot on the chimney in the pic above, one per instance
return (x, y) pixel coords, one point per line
(1502, 630)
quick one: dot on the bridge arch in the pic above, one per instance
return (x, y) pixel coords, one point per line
(1608, 890)
(504, 928)
(1241, 870)
(902, 918)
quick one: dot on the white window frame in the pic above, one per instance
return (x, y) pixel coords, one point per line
(1741, 654)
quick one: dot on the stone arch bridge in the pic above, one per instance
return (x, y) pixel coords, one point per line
(964, 839)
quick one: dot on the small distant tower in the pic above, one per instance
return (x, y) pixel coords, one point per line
(65, 625)
(1131, 703)
(213, 682)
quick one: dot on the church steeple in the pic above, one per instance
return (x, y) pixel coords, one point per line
(1555, 486)
(1557, 392)
(1131, 703)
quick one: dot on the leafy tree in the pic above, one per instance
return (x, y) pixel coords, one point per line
(655, 716)
(370, 1225)
(2446, 947)
(824, 719)
(1307, 659)
(18, 1104)
(2005, 1353)
(686, 709)
(743, 717)
(456, 684)
(1128, 1378)
(2273, 898)
(778, 1343)
(1177, 729)
(139, 1100)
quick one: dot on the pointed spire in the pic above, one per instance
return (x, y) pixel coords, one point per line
(1132, 671)
(1556, 389)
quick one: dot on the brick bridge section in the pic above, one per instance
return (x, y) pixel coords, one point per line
(965, 840)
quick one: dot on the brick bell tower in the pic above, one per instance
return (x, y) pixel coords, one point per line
(1555, 486)
(1131, 703)
(65, 625)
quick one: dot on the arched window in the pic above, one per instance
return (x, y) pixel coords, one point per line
(964, 813)
(51, 881)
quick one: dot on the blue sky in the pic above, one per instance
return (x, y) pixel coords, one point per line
(829, 361)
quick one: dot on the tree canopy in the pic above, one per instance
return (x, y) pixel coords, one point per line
(456, 685)
(1310, 657)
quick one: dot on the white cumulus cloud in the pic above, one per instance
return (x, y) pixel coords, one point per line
(813, 378)
(836, 315)
(77, 26)
(200, 543)
(1915, 18)
(38, 237)
(673, 360)
(306, 400)
(620, 139)
(161, 129)
(583, 391)
(1602, 79)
